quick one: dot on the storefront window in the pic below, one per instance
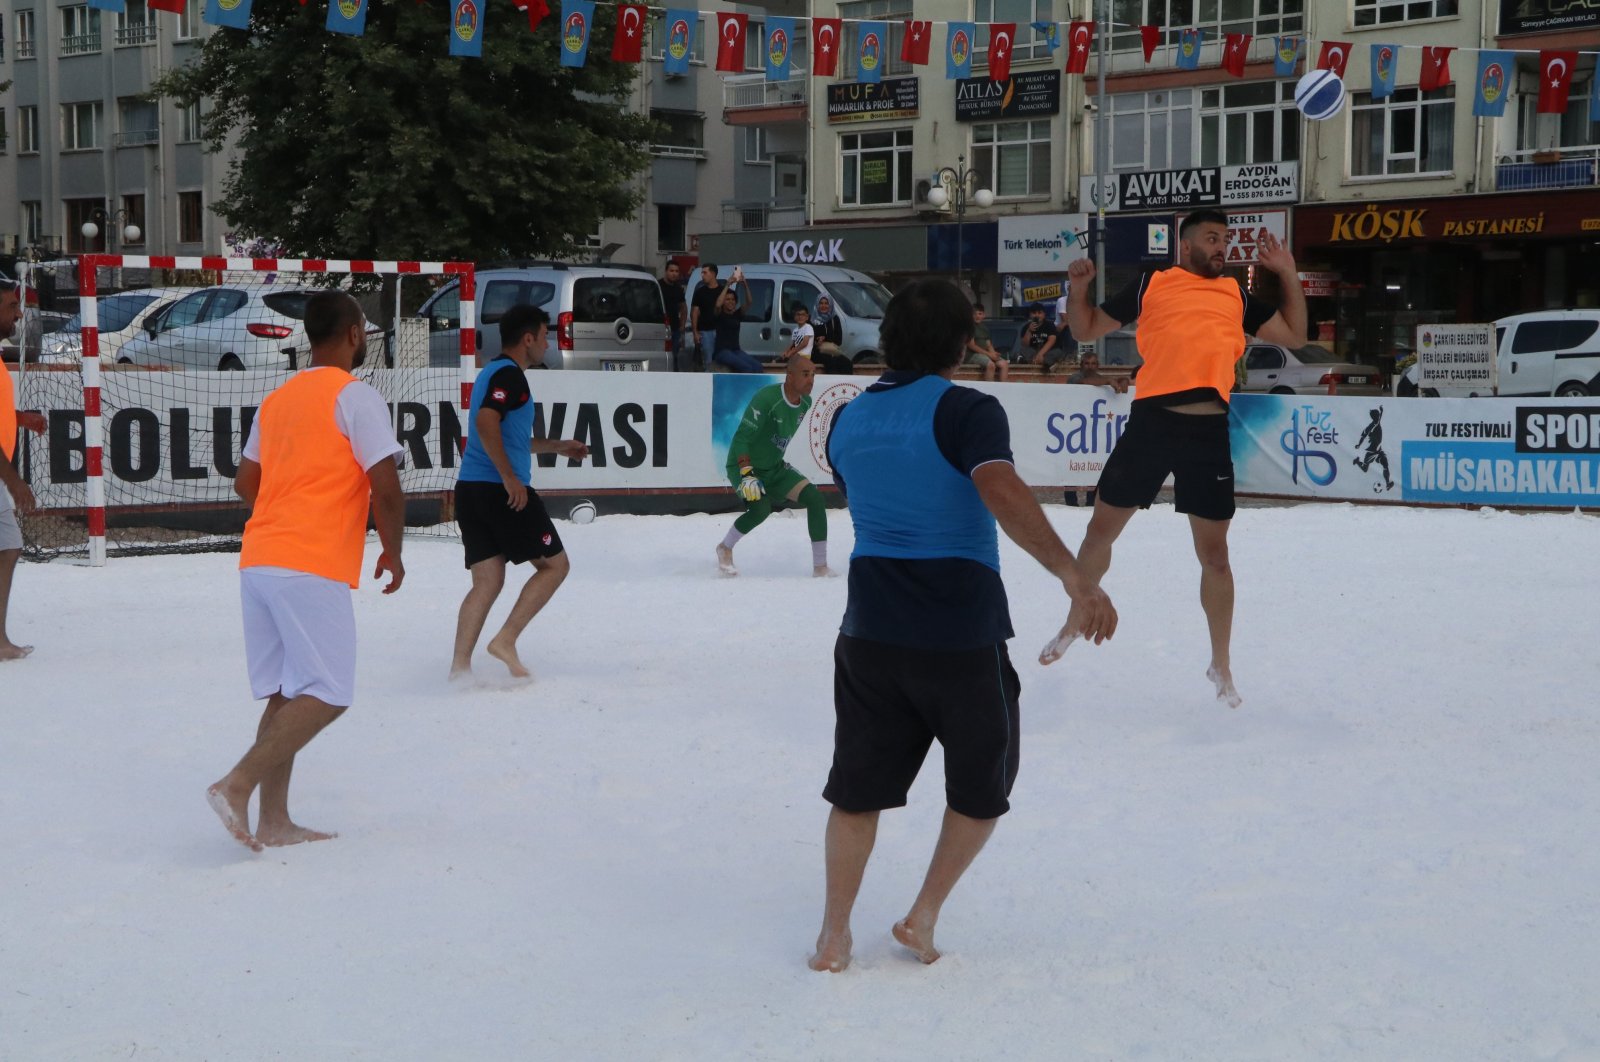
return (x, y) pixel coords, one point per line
(875, 168)
(1012, 158)
(1411, 132)
(1249, 122)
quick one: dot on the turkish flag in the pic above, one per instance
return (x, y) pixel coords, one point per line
(1150, 37)
(1001, 36)
(1235, 53)
(175, 6)
(537, 11)
(730, 41)
(1079, 36)
(1555, 80)
(1435, 69)
(1334, 56)
(825, 46)
(629, 34)
(914, 46)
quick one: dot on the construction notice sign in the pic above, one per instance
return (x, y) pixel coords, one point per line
(1458, 355)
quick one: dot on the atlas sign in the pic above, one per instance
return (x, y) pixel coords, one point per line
(817, 252)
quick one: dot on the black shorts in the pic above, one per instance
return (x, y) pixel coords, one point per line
(891, 702)
(490, 528)
(1193, 448)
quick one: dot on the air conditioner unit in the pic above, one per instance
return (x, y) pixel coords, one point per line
(920, 204)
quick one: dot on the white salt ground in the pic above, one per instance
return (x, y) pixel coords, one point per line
(1388, 852)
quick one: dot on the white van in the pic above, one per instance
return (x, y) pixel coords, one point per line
(1543, 353)
(775, 290)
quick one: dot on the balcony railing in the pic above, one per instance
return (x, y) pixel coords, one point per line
(1556, 168)
(137, 137)
(25, 50)
(677, 151)
(754, 215)
(138, 33)
(754, 90)
(80, 45)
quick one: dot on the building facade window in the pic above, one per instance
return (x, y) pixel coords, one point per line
(672, 228)
(1259, 18)
(1030, 43)
(1411, 132)
(135, 26)
(80, 212)
(1012, 159)
(25, 38)
(132, 214)
(1573, 128)
(681, 133)
(28, 130)
(189, 123)
(191, 218)
(32, 223)
(137, 122)
(80, 30)
(1152, 130)
(189, 21)
(1384, 12)
(697, 39)
(5, 138)
(891, 12)
(756, 150)
(875, 168)
(1253, 121)
(80, 126)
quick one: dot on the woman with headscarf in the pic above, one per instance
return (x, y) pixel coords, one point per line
(827, 351)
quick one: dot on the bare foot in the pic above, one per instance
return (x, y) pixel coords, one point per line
(235, 816)
(833, 952)
(14, 652)
(506, 653)
(1223, 680)
(725, 561)
(290, 834)
(822, 571)
(920, 942)
(460, 671)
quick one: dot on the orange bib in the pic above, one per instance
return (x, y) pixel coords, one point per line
(8, 415)
(1191, 332)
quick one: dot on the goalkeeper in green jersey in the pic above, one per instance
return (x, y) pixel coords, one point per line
(758, 472)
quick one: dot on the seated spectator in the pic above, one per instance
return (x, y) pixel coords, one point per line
(804, 344)
(980, 348)
(1088, 372)
(730, 315)
(1038, 340)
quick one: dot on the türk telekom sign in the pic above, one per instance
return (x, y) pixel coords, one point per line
(1213, 186)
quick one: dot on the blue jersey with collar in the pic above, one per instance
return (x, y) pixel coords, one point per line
(502, 386)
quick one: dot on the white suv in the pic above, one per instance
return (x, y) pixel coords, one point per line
(1552, 352)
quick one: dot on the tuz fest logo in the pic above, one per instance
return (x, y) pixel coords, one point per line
(827, 407)
(572, 35)
(466, 20)
(1310, 427)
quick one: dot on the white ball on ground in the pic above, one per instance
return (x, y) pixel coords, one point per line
(582, 513)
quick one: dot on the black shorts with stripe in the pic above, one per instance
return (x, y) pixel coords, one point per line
(1192, 448)
(491, 528)
(891, 703)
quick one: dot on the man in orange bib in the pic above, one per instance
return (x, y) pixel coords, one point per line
(14, 492)
(1192, 326)
(321, 449)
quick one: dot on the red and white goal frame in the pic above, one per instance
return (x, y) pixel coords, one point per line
(94, 430)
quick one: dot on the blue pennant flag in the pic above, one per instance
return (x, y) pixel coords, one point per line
(577, 19)
(235, 14)
(1286, 55)
(1495, 69)
(1594, 97)
(114, 6)
(466, 28)
(347, 16)
(680, 26)
(780, 45)
(1189, 42)
(1384, 62)
(958, 50)
(1050, 32)
(872, 51)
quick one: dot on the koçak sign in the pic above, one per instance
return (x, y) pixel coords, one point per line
(788, 252)
(1213, 186)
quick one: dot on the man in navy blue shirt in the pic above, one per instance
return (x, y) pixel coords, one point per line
(501, 519)
(926, 468)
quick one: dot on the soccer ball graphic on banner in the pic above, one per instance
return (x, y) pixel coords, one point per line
(1319, 95)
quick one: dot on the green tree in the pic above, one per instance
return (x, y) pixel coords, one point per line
(385, 146)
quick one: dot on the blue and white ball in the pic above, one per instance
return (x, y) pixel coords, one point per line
(583, 512)
(1319, 95)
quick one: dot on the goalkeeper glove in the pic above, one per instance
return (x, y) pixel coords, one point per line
(750, 488)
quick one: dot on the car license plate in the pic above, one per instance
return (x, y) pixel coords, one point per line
(1355, 379)
(622, 366)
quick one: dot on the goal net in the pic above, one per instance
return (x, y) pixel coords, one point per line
(149, 393)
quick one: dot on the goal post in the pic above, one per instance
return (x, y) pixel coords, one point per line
(175, 354)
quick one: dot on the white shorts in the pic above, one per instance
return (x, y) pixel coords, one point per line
(299, 635)
(10, 530)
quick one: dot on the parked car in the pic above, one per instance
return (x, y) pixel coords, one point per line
(601, 316)
(775, 290)
(1307, 370)
(121, 316)
(1551, 352)
(33, 332)
(225, 327)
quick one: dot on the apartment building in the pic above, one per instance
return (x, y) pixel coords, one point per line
(80, 146)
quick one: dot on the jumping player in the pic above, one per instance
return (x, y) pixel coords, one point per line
(758, 472)
(502, 518)
(320, 450)
(1192, 325)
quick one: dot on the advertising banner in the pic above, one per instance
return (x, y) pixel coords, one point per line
(1457, 355)
(1217, 186)
(1246, 229)
(1037, 94)
(1041, 243)
(1468, 451)
(854, 101)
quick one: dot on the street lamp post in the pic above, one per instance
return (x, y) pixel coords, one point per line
(130, 232)
(958, 179)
